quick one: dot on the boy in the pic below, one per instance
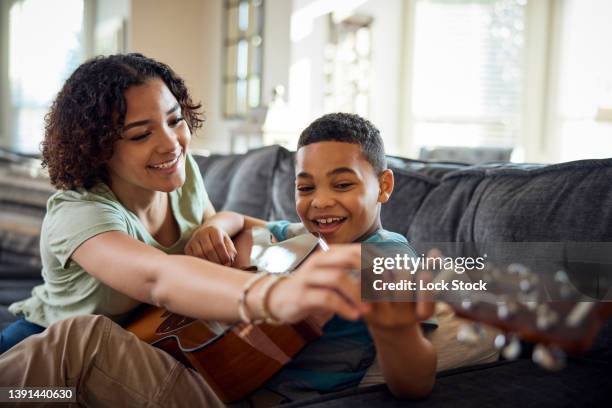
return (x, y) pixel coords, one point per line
(341, 182)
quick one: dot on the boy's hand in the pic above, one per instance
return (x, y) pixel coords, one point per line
(387, 315)
(212, 243)
(396, 315)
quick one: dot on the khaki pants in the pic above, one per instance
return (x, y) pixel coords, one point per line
(109, 367)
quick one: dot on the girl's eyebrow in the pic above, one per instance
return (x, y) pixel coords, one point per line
(147, 121)
(136, 124)
(172, 109)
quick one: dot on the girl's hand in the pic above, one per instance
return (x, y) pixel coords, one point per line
(212, 243)
(321, 284)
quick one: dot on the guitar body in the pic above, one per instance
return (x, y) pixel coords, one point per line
(234, 359)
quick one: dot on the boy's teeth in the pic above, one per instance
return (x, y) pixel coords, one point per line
(328, 220)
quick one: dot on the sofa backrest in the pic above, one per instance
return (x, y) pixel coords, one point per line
(261, 183)
(431, 202)
(561, 202)
(440, 201)
(23, 200)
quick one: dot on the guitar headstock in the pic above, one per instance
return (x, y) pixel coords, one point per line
(537, 299)
(543, 307)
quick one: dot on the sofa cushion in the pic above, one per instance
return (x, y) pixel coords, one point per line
(23, 199)
(438, 217)
(434, 169)
(563, 202)
(501, 384)
(241, 183)
(283, 188)
(411, 189)
(13, 290)
(6, 318)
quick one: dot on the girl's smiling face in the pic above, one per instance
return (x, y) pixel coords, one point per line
(150, 156)
(338, 192)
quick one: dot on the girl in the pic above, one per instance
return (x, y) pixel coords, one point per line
(130, 197)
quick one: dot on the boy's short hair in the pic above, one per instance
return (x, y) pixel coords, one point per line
(348, 128)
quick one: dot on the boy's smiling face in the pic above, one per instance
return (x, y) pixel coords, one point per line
(338, 192)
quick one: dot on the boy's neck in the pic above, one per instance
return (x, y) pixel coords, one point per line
(376, 226)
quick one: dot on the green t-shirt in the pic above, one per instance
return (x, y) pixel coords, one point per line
(74, 216)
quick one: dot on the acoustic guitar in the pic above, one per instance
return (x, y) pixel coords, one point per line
(234, 359)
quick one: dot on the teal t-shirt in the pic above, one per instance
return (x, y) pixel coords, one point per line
(74, 216)
(341, 356)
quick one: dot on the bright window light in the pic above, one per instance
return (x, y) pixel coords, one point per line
(45, 46)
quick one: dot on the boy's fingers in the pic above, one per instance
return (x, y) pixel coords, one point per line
(326, 299)
(346, 256)
(425, 298)
(335, 279)
(424, 310)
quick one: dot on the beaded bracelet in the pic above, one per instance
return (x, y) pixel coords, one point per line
(243, 308)
(265, 307)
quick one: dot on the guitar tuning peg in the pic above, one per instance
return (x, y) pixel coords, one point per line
(518, 269)
(545, 317)
(506, 309)
(500, 341)
(513, 349)
(565, 289)
(525, 285)
(531, 305)
(470, 333)
(549, 358)
(561, 277)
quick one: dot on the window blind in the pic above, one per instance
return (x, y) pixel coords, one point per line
(467, 82)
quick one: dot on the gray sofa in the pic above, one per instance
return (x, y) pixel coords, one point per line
(432, 202)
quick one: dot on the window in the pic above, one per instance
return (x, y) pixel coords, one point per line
(347, 65)
(45, 44)
(467, 75)
(243, 56)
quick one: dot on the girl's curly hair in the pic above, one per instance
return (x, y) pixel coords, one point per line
(88, 114)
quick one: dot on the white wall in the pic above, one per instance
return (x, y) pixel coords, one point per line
(4, 91)
(188, 36)
(584, 83)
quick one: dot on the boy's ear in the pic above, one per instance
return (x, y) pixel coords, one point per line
(385, 182)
